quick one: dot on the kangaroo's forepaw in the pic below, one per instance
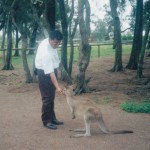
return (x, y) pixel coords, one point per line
(73, 117)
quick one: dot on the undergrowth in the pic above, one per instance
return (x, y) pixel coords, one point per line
(136, 107)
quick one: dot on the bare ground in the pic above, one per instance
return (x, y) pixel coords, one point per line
(20, 111)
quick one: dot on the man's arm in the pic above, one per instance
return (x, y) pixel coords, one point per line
(54, 81)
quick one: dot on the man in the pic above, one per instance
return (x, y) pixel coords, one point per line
(46, 63)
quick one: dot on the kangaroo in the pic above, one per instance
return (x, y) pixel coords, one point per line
(90, 113)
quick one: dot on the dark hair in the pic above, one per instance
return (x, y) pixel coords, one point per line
(55, 34)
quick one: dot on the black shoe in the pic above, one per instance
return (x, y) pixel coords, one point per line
(50, 126)
(56, 122)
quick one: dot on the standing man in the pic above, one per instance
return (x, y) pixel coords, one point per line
(46, 63)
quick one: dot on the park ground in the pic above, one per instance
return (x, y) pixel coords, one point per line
(20, 111)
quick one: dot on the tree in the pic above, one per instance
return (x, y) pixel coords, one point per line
(145, 39)
(3, 43)
(84, 48)
(8, 63)
(64, 24)
(72, 31)
(6, 23)
(142, 52)
(32, 42)
(117, 36)
(148, 44)
(37, 12)
(17, 39)
(137, 39)
(49, 14)
(21, 22)
(101, 30)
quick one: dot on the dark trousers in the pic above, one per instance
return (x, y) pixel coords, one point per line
(47, 91)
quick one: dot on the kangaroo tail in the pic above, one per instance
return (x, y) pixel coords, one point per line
(122, 132)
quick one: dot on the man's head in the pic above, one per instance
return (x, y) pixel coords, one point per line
(55, 38)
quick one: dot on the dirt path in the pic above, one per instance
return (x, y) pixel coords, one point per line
(21, 127)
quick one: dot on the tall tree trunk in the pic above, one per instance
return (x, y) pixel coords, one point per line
(36, 15)
(16, 43)
(28, 78)
(148, 47)
(64, 24)
(142, 52)
(33, 38)
(71, 37)
(137, 40)
(71, 56)
(49, 15)
(22, 28)
(8, 62)
(117, 37)
(84, 48)
(148, 44)
(3, 44)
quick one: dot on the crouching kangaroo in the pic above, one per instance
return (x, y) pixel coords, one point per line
(90, 113)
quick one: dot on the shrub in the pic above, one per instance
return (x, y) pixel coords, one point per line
(134, 107)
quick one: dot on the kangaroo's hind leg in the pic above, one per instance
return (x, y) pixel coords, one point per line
(87, 129)
(103, 126)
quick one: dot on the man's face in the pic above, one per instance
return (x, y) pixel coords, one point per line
(55, 43)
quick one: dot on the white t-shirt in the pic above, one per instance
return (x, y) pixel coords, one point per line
(46, 57)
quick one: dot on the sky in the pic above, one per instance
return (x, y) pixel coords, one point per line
(97, 8)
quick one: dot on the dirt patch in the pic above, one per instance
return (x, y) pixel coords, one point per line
(20, 110)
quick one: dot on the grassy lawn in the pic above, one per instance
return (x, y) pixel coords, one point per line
(105, 50)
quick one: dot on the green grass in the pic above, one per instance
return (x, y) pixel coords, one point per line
(136, 107)
(105, 51)
(105, 100)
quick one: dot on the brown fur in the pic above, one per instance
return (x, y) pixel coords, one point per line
(90, 113)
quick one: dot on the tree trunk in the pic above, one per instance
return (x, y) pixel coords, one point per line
(64, 24)
(49, 15)
(3, 44)
(71, 55)
(71, 37)
(137, 40)
(36, 15)
(148, 55)
(141, 58)
(16, 44)
(8, 63)
(148, 44)
(22, 28)
(28, 78)
(33, 38)
(84, 48)
(148, 47)
(117, 37)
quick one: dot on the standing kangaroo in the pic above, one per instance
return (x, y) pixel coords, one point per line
(90, 113)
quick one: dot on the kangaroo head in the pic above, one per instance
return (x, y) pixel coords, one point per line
(68, 91)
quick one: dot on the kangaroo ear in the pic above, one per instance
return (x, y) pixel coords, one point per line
(71, 87)
(62, 84)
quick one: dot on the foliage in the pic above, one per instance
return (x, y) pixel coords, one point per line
(128, 36)
(23, 12)
(101, 31)
(146, 10)
(135, 107)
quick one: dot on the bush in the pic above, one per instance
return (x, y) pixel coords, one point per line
(142, 107)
